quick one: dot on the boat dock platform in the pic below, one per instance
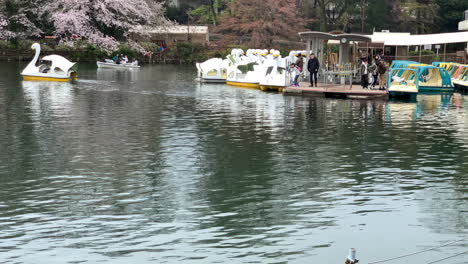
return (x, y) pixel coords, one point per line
(335, 91)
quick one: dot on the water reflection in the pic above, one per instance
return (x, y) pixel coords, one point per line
(48, 96)
(149, 166)
(118, 74)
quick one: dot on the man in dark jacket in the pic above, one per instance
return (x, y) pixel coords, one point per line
(313, 66)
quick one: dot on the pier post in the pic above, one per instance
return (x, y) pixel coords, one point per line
(308, 49)
(445, 51)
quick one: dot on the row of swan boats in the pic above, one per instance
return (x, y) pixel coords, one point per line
(256, 68)
(408, 78)
(59, 69)
(267, 70)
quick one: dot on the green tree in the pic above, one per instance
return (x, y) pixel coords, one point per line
(450, 14)
(342, 15)
(178, 14)
(381, 14)
(209, 11)
(418, 16)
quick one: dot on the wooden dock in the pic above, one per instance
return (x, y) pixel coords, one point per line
(336, 91)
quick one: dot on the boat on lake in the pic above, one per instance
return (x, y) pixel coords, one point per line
(461, 80)
(53, 68)
(417, 78)
(213, 70)
(113, 65)
(258, 69)
(276, 75)
(244, 69)
(434, 79)
(403, 82)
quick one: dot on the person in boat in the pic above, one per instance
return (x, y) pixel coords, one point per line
(135, 62)
(44, 67)
(121, 59)
(115, 58)
(313, 66)
(364, 74)
(125, 59)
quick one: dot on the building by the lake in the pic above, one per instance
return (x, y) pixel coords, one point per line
(463, 25)
(172, 34)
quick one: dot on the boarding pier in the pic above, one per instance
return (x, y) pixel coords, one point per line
(335, 91)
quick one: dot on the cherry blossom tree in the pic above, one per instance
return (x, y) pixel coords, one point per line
(100, 22)
(103, 22)
(18, 19)
(5, 34)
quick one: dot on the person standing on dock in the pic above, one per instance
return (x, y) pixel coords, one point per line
(364, 75)
(382, 69)
(313, 66)
(295, 73)
(299, 62)
(373, 70)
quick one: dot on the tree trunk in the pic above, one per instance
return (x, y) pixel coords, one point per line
(363, 13)
(213, 7)
(323, 15)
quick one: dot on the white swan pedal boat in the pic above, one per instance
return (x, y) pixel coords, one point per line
(112, 65)
(54, 68)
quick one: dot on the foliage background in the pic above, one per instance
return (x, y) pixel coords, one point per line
(99, 28)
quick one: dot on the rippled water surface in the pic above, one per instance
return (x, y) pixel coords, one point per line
(147, 166)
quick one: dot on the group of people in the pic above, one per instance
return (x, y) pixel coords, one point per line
(121, 59)
(313, 67)
(373, 73)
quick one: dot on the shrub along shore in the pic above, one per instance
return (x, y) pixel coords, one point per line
(82, 51)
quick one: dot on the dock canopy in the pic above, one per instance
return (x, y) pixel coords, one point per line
(406, 39)
(345, 37)
(315, 41)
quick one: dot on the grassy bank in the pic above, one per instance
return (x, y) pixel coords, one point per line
(145, 52)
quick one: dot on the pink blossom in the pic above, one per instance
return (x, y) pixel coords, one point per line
(100, 22)
(91, 19)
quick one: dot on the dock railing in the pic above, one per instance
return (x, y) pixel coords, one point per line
(339, 74)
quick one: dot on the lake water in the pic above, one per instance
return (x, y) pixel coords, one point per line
(148, 166)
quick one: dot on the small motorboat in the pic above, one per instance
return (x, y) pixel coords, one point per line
(53, 68)
(113, 65)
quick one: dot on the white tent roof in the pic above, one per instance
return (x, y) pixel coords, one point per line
(406, 39)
